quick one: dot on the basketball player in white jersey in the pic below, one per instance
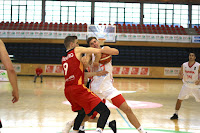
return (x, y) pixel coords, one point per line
(103, 87)
(190, 76)
(11, 72)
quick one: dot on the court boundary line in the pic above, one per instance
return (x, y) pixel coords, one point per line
(124, 118)
(147, 129)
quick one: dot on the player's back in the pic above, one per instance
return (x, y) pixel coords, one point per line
(73, 69)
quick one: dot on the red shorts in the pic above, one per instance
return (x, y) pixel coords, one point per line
(118, 100)
(81, 97)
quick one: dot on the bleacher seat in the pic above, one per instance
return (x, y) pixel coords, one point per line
(129, 28)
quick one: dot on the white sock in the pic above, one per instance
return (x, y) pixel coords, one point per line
(141, 130)
(107, 123)
(176, 112)
(82, 128)
(99, 130)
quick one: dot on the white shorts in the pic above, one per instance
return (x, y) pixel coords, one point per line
(108, 94)
(186, 92)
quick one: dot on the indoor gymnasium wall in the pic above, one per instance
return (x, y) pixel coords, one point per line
(129, 63)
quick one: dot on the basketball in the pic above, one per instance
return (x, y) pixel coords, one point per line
(105, 58)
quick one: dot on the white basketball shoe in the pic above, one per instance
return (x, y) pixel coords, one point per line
(98, 130)
(68, 126)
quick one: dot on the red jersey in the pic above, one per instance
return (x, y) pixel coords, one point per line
(38, 71)
(73, 69)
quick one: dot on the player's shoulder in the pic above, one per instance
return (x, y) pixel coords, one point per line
(78, 49)
(197, 63)
(185, 63)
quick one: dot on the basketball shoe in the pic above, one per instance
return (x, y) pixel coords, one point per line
(113, 126)
(174, 117)
(98, 130)
(68, 126)
(81, 131)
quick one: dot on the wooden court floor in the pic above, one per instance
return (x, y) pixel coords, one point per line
(42, 107)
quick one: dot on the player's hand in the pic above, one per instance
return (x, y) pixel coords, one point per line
(197, 82)
(15, 95)
(101, 73)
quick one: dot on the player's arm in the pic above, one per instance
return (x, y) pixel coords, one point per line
(180, 75)
(110, 51)
(86, 60)
(10, 70)
(198, 81)
(88, 50)
(96, 61)
(106, 50)
(91, 74)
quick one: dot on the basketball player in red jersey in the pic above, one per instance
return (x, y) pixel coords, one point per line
(81, 98)
(11, 72)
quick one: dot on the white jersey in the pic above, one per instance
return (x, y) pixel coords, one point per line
(102, 83)
(102, 86)
(190, 75)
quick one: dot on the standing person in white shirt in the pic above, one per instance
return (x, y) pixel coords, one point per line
(190, 76)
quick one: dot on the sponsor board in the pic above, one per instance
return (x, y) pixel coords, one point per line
(195, 39)
(126, 70)
(83, 35)
(17, 67)
(171, 71)
(3, 75)
(53, 69)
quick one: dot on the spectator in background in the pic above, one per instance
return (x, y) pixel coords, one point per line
(38, 72)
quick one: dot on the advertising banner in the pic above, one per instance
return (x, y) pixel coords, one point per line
(83, 35)
(3, 75)
(126, 70)
(195, 39)
(171, 71)
(53, 69)
(17, 67)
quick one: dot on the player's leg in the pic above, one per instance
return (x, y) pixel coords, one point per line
(121, 103)
(0, 124)
(90, 103)
(35, 78)
(184, 94)
(196, 94)
(82, 127)
(177, 107)
(41, 77)
(78, 120)
(104, 112)
(94, 119)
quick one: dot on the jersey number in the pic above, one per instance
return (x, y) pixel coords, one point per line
(65, 66)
